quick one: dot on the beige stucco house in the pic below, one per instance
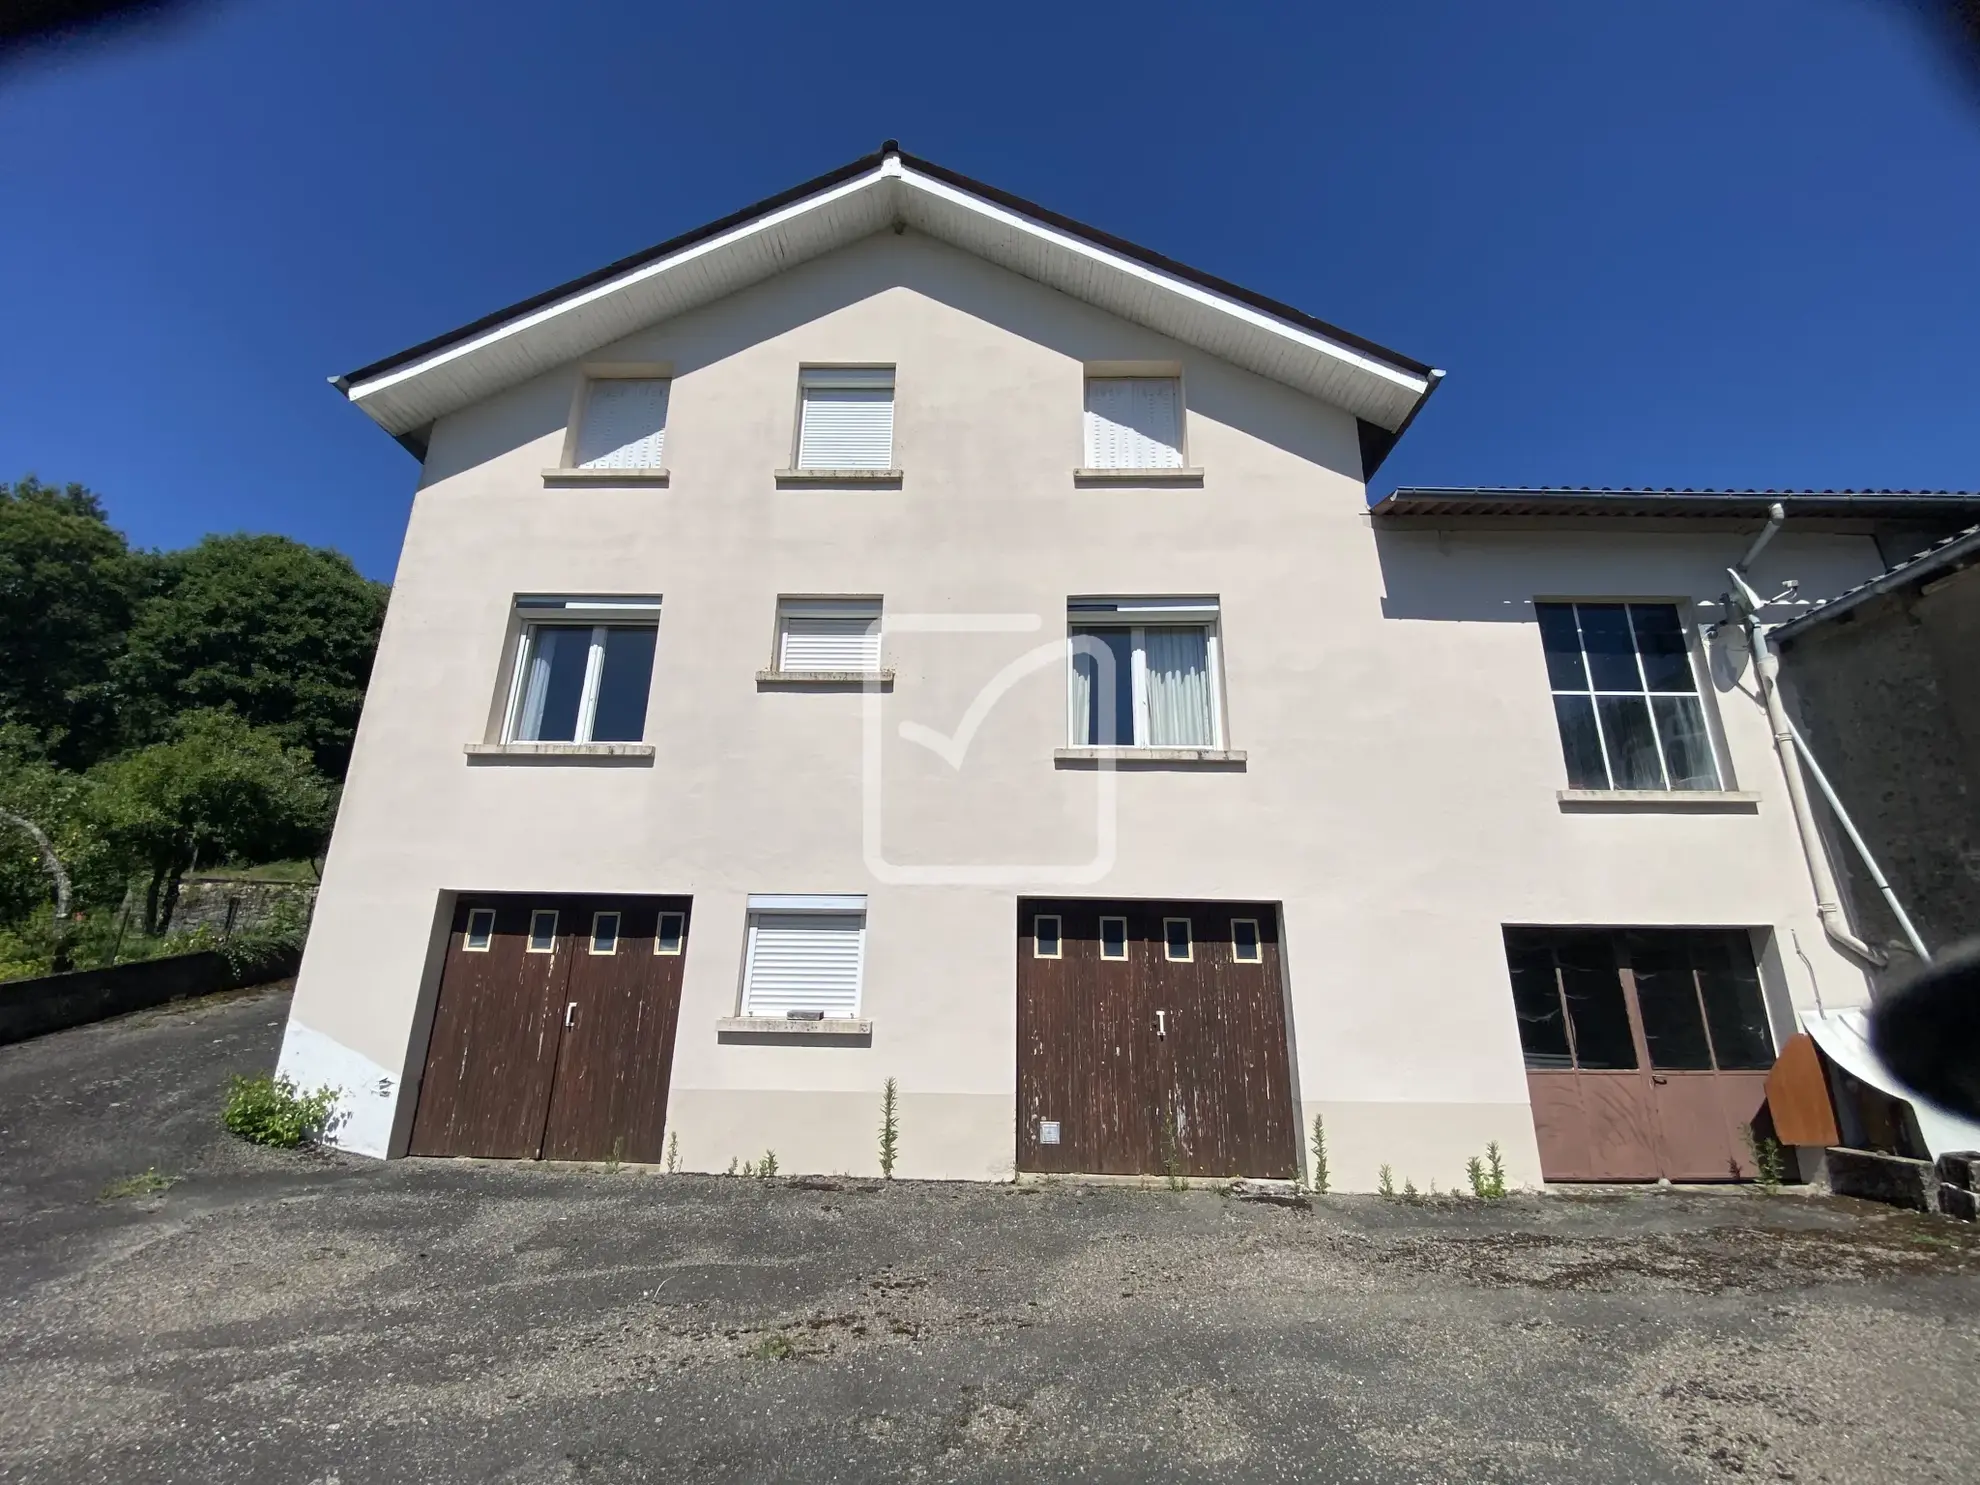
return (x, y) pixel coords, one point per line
(897, 632)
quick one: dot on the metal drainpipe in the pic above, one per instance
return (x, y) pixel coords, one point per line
(1828, 901)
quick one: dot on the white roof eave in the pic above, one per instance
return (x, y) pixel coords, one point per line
(408, 397)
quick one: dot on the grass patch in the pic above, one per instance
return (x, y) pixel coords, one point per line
(775, 1347)
(147, 1182)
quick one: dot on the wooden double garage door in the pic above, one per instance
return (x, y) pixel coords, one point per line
(1647, 1050)
(553, 1032)
(1152, 1040)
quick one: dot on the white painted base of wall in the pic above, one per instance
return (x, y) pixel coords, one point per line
(367, 1094)
(1419, 1142)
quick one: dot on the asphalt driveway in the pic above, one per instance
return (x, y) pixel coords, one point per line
(316, 1318)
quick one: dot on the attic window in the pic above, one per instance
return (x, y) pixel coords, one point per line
(846, 420)
(624, 423)
(1133, 422)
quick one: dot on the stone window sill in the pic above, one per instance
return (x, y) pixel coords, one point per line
(1741, 800)
(1144, 757)
(606, 476)
(787, 478)
(825, 679)
(1190, 476)
(779, 1026)
(558, 752)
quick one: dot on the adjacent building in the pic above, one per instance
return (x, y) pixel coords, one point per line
(898, 632)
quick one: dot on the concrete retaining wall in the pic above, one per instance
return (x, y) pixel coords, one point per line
(36, 1007)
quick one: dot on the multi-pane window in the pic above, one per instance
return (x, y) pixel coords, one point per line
(1626, 697)
(805, 958)
(1133, 422)
(1144, 673)
(1583, 995)
(623, 424)
(846, 420)
(583, 681)
(830, 634)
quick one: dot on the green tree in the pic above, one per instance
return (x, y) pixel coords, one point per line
(278, 632)
(218, 789)
(68, 586)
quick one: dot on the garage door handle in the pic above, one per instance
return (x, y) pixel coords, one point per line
(570, 1015)
(1657, 1080)
(1162, 1025)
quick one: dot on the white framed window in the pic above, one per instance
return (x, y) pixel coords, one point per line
(543, 931)
(670, 933)
(1145, 673)
(1045, 937)
(1134, 422)
(623, 423)
(1626, 697)
(480, 935)
(1245, 942)
(1176, 942)
(1113, 938)
(806, 956)
(604, 933)
(846, 417)
(584, 667)
(839, 634)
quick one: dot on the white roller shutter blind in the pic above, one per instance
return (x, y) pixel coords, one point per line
(1133, 422)
(804, 962)
(829, 637)
(848, 420)
(624, 424)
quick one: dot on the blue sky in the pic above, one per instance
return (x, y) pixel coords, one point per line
(1729, 242)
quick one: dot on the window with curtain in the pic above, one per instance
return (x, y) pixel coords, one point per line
(1626, 697)
(624, 424)
(846, 420)
(1144, 675)
(1133, 422)
(583, 671)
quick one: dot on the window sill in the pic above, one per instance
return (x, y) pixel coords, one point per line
(1145, 757)
(1188, 476)
(559, 752)
(778, 1028)
(1740, 800)
(606, 476)
(824, 680)
(793, 478)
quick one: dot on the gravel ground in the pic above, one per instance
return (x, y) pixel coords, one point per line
(317, 1318)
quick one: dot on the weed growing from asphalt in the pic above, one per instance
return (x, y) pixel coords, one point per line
(767, 1166)
(1387, 1186)
(1769, 1162)
(147, 1182)
(1319, 1148)
(273, 1111)
(890, 1128)
(774, 1347)
(1409, 1192)
(613, 1161)
(1487, 1176)
(1172, 1154)
(733, 1162)
(674, 1153)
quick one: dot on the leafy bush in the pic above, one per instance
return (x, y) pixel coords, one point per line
(273, 1111)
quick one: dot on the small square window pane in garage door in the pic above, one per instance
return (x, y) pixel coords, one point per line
(1113, 938)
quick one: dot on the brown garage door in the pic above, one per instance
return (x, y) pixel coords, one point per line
(1152, 1036)
(553, 1034)
(1647, 1050)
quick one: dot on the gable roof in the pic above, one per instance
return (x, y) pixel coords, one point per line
(404, 393)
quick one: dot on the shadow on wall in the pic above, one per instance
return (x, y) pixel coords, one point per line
(1483, 576)
(1268, 411)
